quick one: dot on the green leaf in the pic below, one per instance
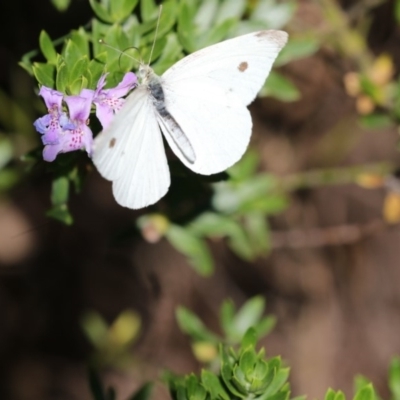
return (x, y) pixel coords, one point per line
(257, 229)
(227, 373)
(60, 191)
(394, 378)
(227, 315)
(366, 393)
(8, 178)
(62, 77)
(216, 34)
(6, 150)
(397, 11)
(213, 385)
(143, 393)
(249, 340)
(148, 10)
(206, 12)
(171, 53)
(274, 15)
(72, 53)
(246, 167)
(47, 47)
(44, 74)
(186, 29)
(79, 69)
(121, 9)
(80, 39)
(193, 247)
(297, 48)
(279, 87)
(279, 380)
(96, 68)
(376, 121)
(249, 314)
(265, 326)
(230, 9)
(100, 11)
(190, 324)
(330, 394)
(61, 213)
(230, 197)
(61, 5)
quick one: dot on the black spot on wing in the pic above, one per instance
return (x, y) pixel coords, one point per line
(243, 66)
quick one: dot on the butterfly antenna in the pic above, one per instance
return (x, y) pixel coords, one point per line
(155, 37)
(122, 53)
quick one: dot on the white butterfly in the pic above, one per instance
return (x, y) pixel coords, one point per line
(199, 104)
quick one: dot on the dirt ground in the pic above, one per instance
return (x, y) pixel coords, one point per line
(337, 305)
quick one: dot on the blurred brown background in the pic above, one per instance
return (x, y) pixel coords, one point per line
(338, 305)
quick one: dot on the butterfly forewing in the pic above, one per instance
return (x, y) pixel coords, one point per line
(131, 153)
(207, 93)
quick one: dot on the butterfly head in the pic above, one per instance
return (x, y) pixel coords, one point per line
(145, 73)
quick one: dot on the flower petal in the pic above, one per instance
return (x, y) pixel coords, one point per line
(79, 106)
(51, 97)
(128, 82)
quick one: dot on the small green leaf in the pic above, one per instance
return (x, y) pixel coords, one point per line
(216, 34)
(71, 53)
(397, 11)
(258, 232)
(394, 378)
(213, 385)
(246, 167)
(186, 29)
(101, 11)
(193, 247)
(148, 10)
(44, 73)
(366, 393)
(297, 48)
(279, 87)
(62, 77)
(230, 9)
(60, 191)
(81, 41)
(330, 394)
(121, 9)
(79, 69)
(274, 15)
(61, 213)
(249, 314)
(190, 324)
(249, 340)
(265, 326)
(206, 12)
(47, 47)
(376, 121)
(6, 150)
(171, 53)
(61, 5)
(227, 315)
(8, 178)
(279, 380)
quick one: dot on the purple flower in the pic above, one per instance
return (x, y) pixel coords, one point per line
(76, 134)
(52, 124)
(109, 101)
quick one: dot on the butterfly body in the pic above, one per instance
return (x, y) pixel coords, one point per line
(199, 105)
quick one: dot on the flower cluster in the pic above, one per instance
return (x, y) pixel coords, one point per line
(63, 132)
